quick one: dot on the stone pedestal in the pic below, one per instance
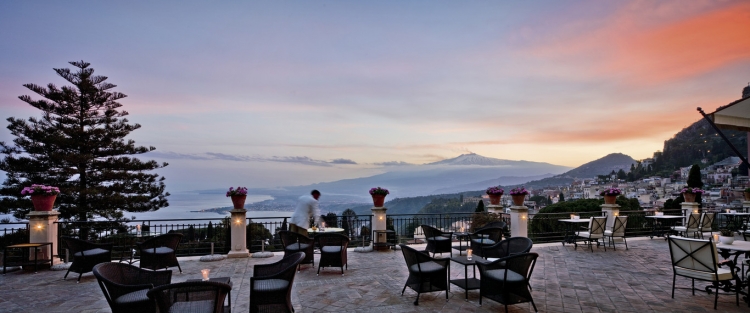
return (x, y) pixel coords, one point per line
(613, 210)
(378, 223)
(42, 228)
(239, 234)
(495, 208)
(519, 221)
(689, 208)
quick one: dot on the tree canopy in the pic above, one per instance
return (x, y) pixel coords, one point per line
(78, 144)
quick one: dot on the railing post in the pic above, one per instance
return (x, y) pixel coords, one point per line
(519, 221)
(238, 230)
(42, 228)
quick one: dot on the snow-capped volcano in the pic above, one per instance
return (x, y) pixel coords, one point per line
(474, 159)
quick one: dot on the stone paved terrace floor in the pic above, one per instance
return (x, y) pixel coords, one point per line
(564, 280)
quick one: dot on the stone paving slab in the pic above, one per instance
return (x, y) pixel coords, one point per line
(564, 280)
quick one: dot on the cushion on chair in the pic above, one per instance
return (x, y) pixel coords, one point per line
(438, 238)
(483, 241)
(158, 250)
(724, 274)
(499, 274)
(427, 267)
(297, 247)
(586, 234)
(135, 297)
(91, 252)
(193, 306)
(331, 249)
(268, 285)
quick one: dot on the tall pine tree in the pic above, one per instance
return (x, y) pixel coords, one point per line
(79, 145)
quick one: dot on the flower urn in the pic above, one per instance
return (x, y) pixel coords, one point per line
(238, 201)
(495, 199)
(518, 199)
(610, 199)
(689, 197)
(378, 200)
(43, 202)
(747, 195)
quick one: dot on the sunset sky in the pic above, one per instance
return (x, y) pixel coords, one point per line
(265, 94)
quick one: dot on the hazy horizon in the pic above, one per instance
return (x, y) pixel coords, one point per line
(295, 93)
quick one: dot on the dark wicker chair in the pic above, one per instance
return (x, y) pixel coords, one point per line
(295, 242)
(506, 280)
(125, 286)
(160, 251)
(484, 238)
(501, 224)
(426, 274)
(192, 296)
(86, 255)
(508, 247)
(332, 251)
(437, 241)
(271, 284)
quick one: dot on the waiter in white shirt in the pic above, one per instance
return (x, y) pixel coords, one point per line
(307, 207)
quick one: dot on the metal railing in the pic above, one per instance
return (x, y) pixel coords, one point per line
(14, 233)
(263, 231)
(198, 234)
(407, 227)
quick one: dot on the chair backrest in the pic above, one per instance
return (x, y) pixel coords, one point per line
(337, 240)
(499, 224)
(693, 220)
(520, 263)
(192, 296)
(597, 225)
(114, 278)
(76, 245)
(707, 220)
(290, 237)
(507, 247)
(491, 233)
(693, 254)
(171, 240)
(413, 256)
(430, 231)
(283, 269)
(618, 229)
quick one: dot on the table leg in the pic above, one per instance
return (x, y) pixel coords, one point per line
(36, 253)
(466, 281)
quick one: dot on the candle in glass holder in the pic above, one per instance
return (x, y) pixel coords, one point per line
(572, 216)
(138, 228)
(468, 254)
(716, 237)
(205, 272)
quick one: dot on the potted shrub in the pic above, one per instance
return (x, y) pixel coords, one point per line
(378, 196)
(495, 193)
(610, 195)
(238, 196)
(42, 197)
(690, 193)
(518, 195)
(726, 236)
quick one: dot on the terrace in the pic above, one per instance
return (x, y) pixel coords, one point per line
(564, 280)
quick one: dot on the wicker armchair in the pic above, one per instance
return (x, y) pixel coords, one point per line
(295, 242)
(437, 241)
(501, 224)
(506, 280)
(191, 296)
(426, 274)
(485, 238)
(160, 251)
(271, 284)
(508, 247)
(332, 251)
(125, 286)
(86, 255)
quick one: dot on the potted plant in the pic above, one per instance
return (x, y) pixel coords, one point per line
(238, 196)
(378, 196)
(518, 195)
(690, 193)
(746, 193)
(610, 195)
(726, 236)
(42, 197)
(495, 193)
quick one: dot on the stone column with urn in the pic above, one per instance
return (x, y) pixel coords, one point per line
(238, 223)
(42, 228)
(610, 207)
(519, 213)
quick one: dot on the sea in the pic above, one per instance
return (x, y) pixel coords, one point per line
(188, 205)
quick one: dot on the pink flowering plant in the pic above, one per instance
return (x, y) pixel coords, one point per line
(40, 190)
(611, 192)
(240, 191)
(379, 191)
(694, 190)
(520, 191)
(495, 191)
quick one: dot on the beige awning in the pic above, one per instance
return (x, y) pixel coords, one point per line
(735, 115)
